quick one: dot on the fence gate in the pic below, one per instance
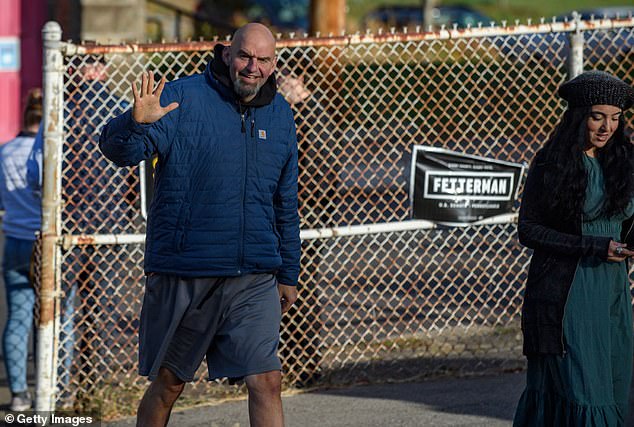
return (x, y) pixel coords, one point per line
(382, 296)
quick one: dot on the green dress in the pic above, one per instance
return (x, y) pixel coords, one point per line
(590, 384)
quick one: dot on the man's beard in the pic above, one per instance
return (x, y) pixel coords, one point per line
(244, 90)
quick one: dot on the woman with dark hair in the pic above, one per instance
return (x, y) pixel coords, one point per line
(576, 216)
(21, 221)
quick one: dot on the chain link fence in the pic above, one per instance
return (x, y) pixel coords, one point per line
(391, 305)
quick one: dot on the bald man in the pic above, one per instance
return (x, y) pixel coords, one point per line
(222, 246)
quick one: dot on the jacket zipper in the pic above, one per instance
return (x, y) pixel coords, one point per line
(244, 187)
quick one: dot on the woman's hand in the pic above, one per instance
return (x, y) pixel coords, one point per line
(618, 252)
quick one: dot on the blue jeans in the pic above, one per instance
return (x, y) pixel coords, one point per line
(20, 300)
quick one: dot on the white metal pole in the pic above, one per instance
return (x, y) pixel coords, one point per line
(69, 241)
(575, 60)
(53, 122)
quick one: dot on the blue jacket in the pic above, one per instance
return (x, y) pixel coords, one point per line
(23, 207)
(225, 195)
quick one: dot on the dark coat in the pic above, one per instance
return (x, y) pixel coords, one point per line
(558, 246)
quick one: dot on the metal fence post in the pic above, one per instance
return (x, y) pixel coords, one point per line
(575, 59)
(53, 122)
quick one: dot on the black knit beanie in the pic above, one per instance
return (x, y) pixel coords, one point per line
(597, 88)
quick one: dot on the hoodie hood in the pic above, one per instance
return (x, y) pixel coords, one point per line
(220, 72)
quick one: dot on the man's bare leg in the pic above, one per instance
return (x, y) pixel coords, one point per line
(265, 400)
(156, 405)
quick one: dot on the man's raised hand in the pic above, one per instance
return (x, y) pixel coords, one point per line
(147, 102)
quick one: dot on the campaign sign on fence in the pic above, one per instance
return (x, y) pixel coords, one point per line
(451, 187)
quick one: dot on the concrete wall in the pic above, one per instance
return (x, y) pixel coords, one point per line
(163, 20)
(113, 21)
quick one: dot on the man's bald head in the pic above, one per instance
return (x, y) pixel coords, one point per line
(255, 30)
(251, 59)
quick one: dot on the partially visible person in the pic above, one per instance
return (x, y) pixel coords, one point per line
(292, 89)
(576, 215)
(21, 222)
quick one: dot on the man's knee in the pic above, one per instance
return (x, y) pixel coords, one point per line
(265, 384)
(168, 385)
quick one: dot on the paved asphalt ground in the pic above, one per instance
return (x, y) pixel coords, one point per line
(477, 401)
(481, 401)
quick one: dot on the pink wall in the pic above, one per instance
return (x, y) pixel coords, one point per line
(22, 20)
(9, 79)
(10, 18)
(9, 106)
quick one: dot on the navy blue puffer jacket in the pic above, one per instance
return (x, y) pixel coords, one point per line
(225, 195)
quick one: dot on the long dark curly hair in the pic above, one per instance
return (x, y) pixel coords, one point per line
(566, 178)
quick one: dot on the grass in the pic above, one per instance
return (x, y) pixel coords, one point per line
(498, 10)
(117, 400)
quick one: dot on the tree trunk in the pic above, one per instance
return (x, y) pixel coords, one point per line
(327, 16)
(428, 6)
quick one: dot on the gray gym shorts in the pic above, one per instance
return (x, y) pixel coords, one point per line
(234, 321)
